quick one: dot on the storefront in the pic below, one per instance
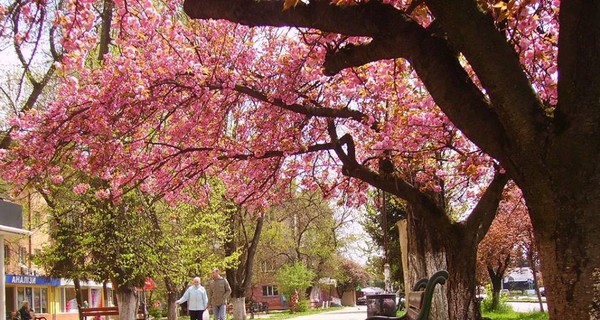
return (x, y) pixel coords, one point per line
(37, 290)
(51, 297)
(91, 293)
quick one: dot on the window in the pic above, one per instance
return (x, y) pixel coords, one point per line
(40, 300)
(6, 253)
(22, 255)
(269, 291)
(68, 301)
(37, 297)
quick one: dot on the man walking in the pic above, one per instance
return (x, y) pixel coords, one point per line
(197, 300)
(218, 292)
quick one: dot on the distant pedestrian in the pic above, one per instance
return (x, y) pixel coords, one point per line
(197, 300)
(218, 293)
(25, 312)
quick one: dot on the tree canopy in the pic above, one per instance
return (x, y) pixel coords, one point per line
(334, 92)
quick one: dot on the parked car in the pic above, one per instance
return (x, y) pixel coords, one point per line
(361, 301)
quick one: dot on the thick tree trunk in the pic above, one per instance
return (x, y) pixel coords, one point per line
(239, 308)
(461, 258)
(425, 257)
(127, 302)
(431, 250)
(172, 296)
(570, 254)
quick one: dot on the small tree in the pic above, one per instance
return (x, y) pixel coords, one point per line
(498, 251)
(294, 279)
(351, 275)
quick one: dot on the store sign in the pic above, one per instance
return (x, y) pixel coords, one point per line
(19, 279)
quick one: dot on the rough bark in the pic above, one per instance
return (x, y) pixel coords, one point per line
(127, 302)
(425, 257)
(570, 252)
(431, 250)
(239, 308)
(462, 302)
(241, 276)
(172, 295)
(554, 158)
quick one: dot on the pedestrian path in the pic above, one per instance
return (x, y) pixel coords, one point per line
(349, 313)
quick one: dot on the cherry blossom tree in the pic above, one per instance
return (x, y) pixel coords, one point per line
(502, 74)
(502, 245)
(181, 101)
(176, 101)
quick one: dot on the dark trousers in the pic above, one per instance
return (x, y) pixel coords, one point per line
(196, 314)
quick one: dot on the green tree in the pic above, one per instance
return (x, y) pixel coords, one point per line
(384, 233)
(305, 229)
(294, 277)
(127, 239)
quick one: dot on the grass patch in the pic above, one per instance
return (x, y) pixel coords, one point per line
(512, 315)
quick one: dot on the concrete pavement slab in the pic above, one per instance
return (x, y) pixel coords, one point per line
(348, 313)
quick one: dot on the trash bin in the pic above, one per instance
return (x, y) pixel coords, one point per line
(381, 305)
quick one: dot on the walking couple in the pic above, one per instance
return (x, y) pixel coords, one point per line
(199, 299)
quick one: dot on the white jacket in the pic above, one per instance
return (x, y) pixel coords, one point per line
(196, 298)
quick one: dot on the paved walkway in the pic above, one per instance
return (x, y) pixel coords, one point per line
(349, 313)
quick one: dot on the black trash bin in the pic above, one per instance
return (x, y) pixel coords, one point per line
(381, 305)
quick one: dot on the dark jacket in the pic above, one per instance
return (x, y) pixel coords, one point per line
(25, 313)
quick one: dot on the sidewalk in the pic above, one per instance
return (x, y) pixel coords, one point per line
(348, 313)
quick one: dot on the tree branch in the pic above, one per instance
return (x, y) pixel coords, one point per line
(579, 67)
(483, 214)
(107, 14)
(388, 183)
(497, 65)
(437, 65)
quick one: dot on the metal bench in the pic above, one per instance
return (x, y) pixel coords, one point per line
(419, 300)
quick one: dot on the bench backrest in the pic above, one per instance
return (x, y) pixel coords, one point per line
(100, 311)
(419, 300)
(108, 311)
(414, 301)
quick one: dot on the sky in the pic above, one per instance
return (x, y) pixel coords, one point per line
(355, 250)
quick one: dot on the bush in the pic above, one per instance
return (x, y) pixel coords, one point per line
(156, 313)
(487, 303)
(303, 305)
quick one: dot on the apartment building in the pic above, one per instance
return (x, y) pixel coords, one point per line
(23, 233)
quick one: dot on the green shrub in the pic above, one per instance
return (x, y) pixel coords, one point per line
(303, 305)
(155, 312)
(487, 303)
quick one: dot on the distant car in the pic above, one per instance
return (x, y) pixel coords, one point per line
(361, 301)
